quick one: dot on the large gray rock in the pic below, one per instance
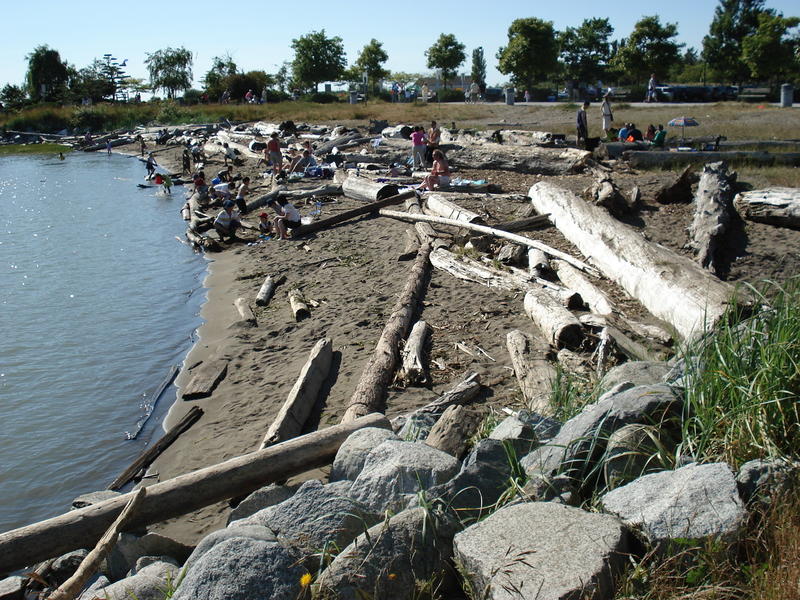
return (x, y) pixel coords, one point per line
(582, 440)
(243, 569)
(695, 502)
(759, 480)
(260, 499)
(519, 434)
(542, 550)
(390, 559)
(317, 514)
(92, 591)
(637, 372)
(633, 451)
(11, 588)
(237, 530)
(353, 452)
(395, 469)
(148, 584)
(129, 548)
(65, 566)
(545, 428)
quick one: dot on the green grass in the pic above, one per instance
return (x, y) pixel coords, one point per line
(5, 150)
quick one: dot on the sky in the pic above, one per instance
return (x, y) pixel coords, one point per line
(258, 35)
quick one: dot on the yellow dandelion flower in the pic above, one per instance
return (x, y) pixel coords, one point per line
(305, 580)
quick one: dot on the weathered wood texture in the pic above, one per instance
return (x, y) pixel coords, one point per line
(632, 349)
(463, 392)
(412, 245)
(425, 232)
(671, 159)
(534, 222)
(201, 241)
(183, 494)
(531, 358)
(449, 434)
(538, 264)
(775, 206)
(267, 289)
(672, 287)
(439, 205)
(350, 214)
(413, 366)
(205, 379)
(244, 310)
(521, 159)
(298, 304)
(293, 414)
(361, 188)
(712, 214)
(560, 328)
(572, 278)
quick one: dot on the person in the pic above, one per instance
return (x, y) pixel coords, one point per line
(634, 135)
(395, 91)
(159, 180)
(659, 137)
(167, 183)
(294, 157)
(229, 153)
(306, 161)
(241, 193)
(582, 124)
(651, 88)
(650, 133)
(60, 156)
(143, 145)
(274, 153)
(226, 175)
(439, 175)
(527, 96)
(198, 156)
(221, 190)
(418, 147)
(248, 97)
(608, 116)
(264, 224)
(187, 161)
(108, 147)
(288, 216)
(227, 221)
(623, 132)
(426, 92)
(200, 186)
(434, 136)
(150, 165)
(474, 92)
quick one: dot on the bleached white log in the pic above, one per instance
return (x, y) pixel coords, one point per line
(712, 214)
(538, 265)
(267, 289)
(244, 310)
(530, 357)
(560, 328)
(413, 370)
(298, 304)
(439, 205)
(572, 278)
(776, 206)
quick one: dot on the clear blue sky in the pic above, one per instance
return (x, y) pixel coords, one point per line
(258, 35)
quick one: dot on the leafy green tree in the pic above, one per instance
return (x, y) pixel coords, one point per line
(772, 51)
(214, 79)
(585, 50)
(282, 78)
(532, 52)
(93, 81)
(317, 58)
(47, 74)
(239, 83)
(478, 72)
(12, 97)
(170, 70)
(689, 69)
(447, 54)
(733, 22)
(649, 49)
(371, 61)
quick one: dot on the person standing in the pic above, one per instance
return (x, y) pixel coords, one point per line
(187, 161)
(434, 136)
(274, 154)
(418, 147)
(582, 125)
(527, 96)
(241, 194)
(150, 165)
(608, 116)
(651, 88)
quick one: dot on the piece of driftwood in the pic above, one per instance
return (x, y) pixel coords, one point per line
(775, 206)
(411, 247)
(154, 451)
(439, 205)
(267, 289)
(464, 391)
(538, 263)
(265, 199)
(531, 358)
(424, 230)
(366, 190)
(471, 270)
(520, 159)
(181, 495)
(201, 241)
(298, 304)
(511, 254)
(534, 222)
(604, 192)
(350, 214)
(670, 159)
(572, 278)
(450, 432)
(73, 586)
(491, 231)
(672, 287)
(371, 389)
(603, 351)
(323, 190)
(413, 369)
(712, 214)
(678, 190)
(304, 395)
(632, 349)
(560, 328)
(205, 379)
(340, 142)
(244, 310)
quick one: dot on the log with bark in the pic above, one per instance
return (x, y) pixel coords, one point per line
(776, 206)
(712, 214)
(438, 204)
(464, 391)
(678, 190)
(451, 431)
(298, 304)
(304, 395)
(371, 390)
(671, 159)
(521, 159)
(413, 367)
(340, 142)
(268, 289)
(350, 214)
(366, 190)
(202, 241)
(531, 358)
(672, 287)
(560, 328)
(180, 495)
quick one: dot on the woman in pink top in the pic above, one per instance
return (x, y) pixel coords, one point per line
(418, 147)
(439, 176)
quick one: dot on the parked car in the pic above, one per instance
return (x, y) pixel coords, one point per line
(665, 93)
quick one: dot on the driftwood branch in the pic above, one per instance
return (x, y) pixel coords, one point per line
(712, 214)
(350, 214)
(531, 359)
(413, 370)
(776, 206)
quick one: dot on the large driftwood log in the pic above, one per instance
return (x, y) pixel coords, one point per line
(572, 278)
(463, 392)
(775, 206)
(519, 239)
(268, 288)
(304, 394)
(371, 390)
(298, 304)
(538, 265)
(632, 349)
(678, 190)
(201, 241)
(361, 188)
(604, 192)
(323, 190)
(425, 232)
(265, 199)
(183, 494)
(439, 205)
(521, 159)
(471, 270)
(534, 222)
(531, 359)
(560, 328)
(712, 214)
(670, 286)
(350, 214)
(342, 141)
(671, 159)
(449, 434)
(413, 370)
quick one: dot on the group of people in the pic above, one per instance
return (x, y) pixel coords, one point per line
(286, 217)
(296, 162)
(627, 133)
(423, 144)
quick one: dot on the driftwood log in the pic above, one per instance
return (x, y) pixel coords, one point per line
(298, 304)
(350, 214)
(371, 390)
(573, 279)
(604, 192)
(775, 206)
(560, 328)
(361, 188)
(449, 434)
(244, 310)
(521, 159)
(531, 358)
(672, 287)
(425, 232)
(201, 241)
(538, 264)
(323, 190)
(267, 289)
(339, 142)
(678, 190)
(412, 245)
(205, 379)
(632, 349)
(484, 274)
(413, 368)
(439, 205)
(265, 199)
(303, 396)
(671, 159)
(463, 392)
(511, 254)
(712, 214)
(534, 222)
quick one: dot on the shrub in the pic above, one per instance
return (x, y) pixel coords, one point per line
(191, 97)
(450, 95)
(321, 98)
(85, 118)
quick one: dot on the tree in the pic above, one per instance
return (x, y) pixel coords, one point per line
(214, 83)
(734, 20)
(478, 72)
(532, 52)
(170, 70)
(317, 58)
(371, 61)
(771, 52)
(47, 75)
(12, 97)
(585, 50)
(282, 79)
(649, 49)
(93, 81)
(446, 54)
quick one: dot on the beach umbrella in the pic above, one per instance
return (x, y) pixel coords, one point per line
(683, 122)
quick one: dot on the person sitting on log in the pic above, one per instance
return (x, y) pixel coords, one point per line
(439, 176)
(200, 187)
(634, 134)
(622, 135)
(241, 192)
(288, 217)
(659, 137)
(306, 161)
(227, 221)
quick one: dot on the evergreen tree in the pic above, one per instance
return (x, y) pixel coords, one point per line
(478, 72)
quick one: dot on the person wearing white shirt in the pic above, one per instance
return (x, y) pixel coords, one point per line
(227, 221)
(288, 216)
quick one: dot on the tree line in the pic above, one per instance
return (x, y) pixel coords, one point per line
(746, 41)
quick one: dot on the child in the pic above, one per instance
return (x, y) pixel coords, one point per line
(288, 216)
(167, 181)
(264, 224)
(241, 192)
(418, 147)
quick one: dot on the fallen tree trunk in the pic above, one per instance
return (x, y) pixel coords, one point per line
(775, 206)
(471, 270)
(183, 494)
(298, 304)
(304, 394)
(531, 359)
(411, 247)
(560, 328)
(523, 224)
(671, 159)
(350, 214)
(426, 233)
(538, 265)
(442, 207)
(491, 231)
(672, 287)
(712, 214)
(630, 348)
(371, 390)
(521, 159)
(324, 190)
(339, 142)
(263, 200)
(361, 188)
(268, 288)
(572, 278)
(201, 241)
(412, 368)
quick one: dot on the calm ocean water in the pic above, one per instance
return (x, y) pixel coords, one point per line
(97, 301)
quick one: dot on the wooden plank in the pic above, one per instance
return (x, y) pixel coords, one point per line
(205, 379)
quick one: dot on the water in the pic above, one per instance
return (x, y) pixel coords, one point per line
(97, 301)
